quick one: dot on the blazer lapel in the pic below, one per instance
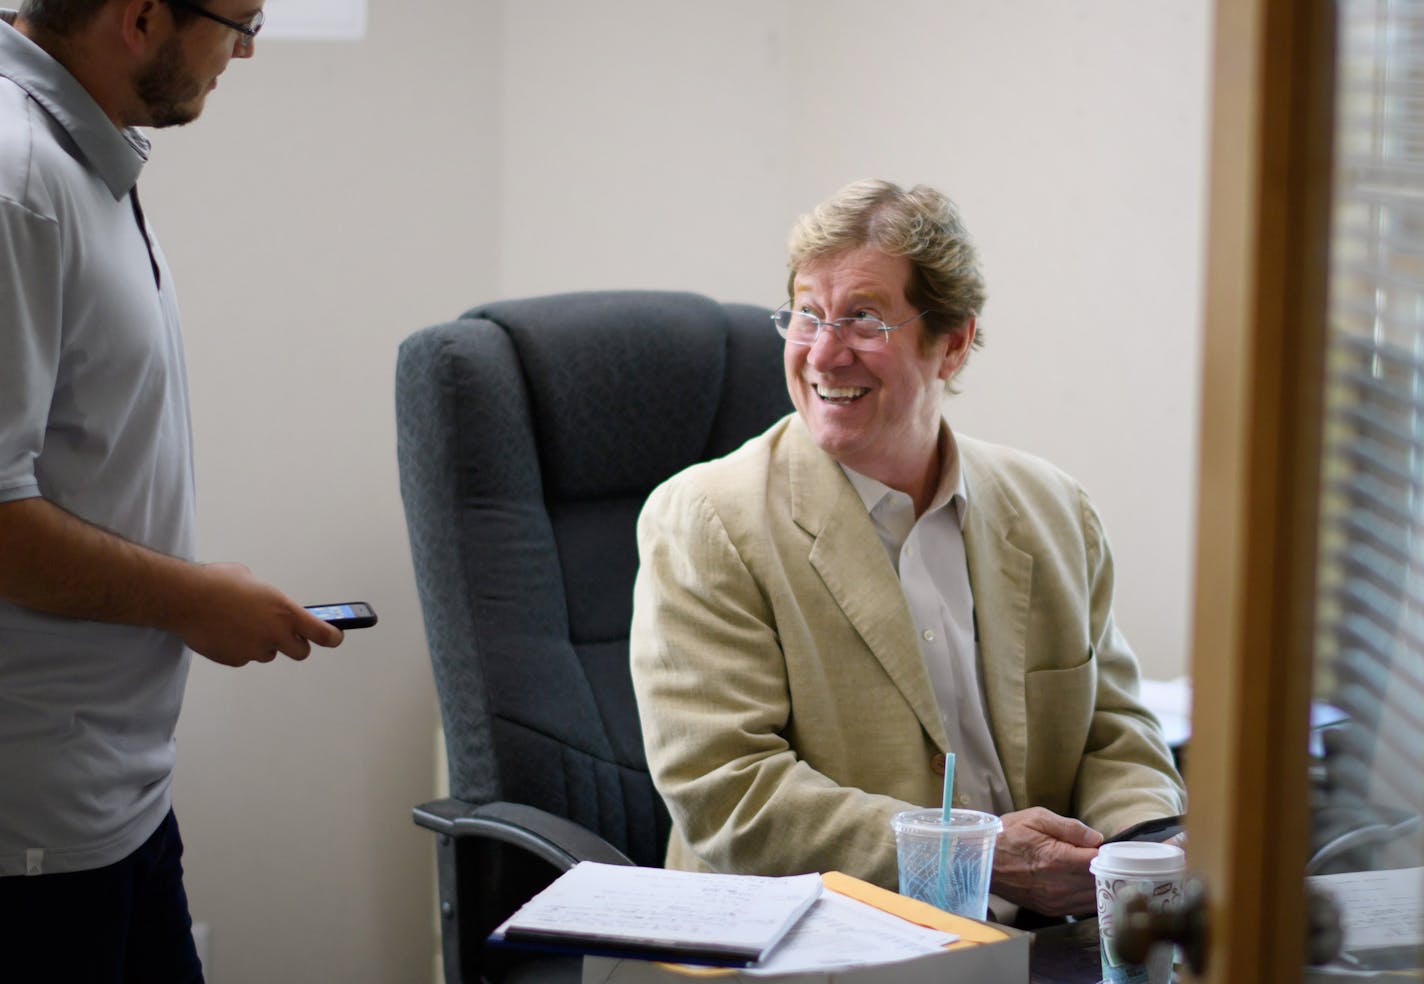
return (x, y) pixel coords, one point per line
(851, 561)
(1000, 576)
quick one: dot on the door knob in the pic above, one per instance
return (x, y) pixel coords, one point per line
(1136, 927)
(1324, 935)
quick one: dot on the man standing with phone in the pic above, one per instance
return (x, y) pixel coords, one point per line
(99, 598)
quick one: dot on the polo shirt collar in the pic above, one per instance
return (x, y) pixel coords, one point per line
(116, 156)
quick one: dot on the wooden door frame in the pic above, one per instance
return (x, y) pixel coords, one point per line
(1265, 320)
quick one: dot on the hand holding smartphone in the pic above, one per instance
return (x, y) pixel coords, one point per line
(346, 614)
(1161, 829)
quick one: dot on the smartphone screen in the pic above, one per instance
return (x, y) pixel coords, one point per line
(346, 615)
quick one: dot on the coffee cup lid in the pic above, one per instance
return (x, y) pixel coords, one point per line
(1138, 858)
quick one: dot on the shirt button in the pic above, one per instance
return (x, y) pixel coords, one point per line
(929, 635)
(937, 764)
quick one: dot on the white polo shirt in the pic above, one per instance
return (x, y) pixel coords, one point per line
(94, 418)
(928, 555)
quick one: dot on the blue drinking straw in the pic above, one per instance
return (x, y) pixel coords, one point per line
(945, 814)
(948, 787)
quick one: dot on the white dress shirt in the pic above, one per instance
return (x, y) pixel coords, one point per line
(928, 555)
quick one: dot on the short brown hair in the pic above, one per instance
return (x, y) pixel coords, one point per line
(921, 225)
(60, 17)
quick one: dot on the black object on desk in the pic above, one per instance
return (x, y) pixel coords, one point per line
(1066, 954)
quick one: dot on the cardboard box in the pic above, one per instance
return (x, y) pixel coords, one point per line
(984, 953)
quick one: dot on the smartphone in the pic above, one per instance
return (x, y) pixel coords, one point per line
(1163, 828)
(347, 615)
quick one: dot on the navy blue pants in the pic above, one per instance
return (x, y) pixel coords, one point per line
(126, 923)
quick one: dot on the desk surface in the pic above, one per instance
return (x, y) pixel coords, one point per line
(1066, 954)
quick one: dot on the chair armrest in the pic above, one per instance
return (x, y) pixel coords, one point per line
(490, 860)
(551, 838)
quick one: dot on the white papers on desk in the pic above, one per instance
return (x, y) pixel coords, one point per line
(840, 932)
(663, 914)
(1378, 908)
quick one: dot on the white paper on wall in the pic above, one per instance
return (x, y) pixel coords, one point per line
(314, 20)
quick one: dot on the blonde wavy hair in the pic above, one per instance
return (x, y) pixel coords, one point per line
(921, 225)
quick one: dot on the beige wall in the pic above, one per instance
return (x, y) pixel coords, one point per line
(337, 196)
(677, 149)
(333, 198)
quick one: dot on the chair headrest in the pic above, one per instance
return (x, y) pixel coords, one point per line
(625, 386)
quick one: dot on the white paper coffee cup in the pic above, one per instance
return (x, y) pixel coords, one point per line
(1155, 870)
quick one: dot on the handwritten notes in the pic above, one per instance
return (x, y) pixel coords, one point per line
(840, 932)
(667, 914)
(1378, 908)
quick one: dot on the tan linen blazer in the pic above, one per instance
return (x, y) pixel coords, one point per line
(785, 705)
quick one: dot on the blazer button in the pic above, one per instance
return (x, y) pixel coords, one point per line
(937, 763)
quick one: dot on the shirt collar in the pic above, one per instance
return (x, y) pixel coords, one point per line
(117, 156)
(952, 490)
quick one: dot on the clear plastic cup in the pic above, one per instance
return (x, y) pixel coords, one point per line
(947, 863)
(1155, 870)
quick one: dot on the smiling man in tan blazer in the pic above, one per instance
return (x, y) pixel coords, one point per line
(823, 614)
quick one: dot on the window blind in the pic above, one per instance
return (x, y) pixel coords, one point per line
(1369, 659)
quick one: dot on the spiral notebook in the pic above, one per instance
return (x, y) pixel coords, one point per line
(657, 914)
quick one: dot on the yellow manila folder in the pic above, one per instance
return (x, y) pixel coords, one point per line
(980, 952)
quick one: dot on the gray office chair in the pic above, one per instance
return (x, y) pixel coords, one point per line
(529, 433)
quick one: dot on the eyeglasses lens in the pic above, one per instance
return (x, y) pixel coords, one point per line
(801, 328)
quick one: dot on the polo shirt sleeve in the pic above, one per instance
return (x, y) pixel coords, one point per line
(30, 341)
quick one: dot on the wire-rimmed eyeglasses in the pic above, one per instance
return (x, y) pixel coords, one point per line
(247, 29)
(801, 327)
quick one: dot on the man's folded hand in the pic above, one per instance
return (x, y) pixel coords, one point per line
(1041, 862)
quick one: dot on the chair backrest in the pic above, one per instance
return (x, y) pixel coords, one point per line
(529, 434)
